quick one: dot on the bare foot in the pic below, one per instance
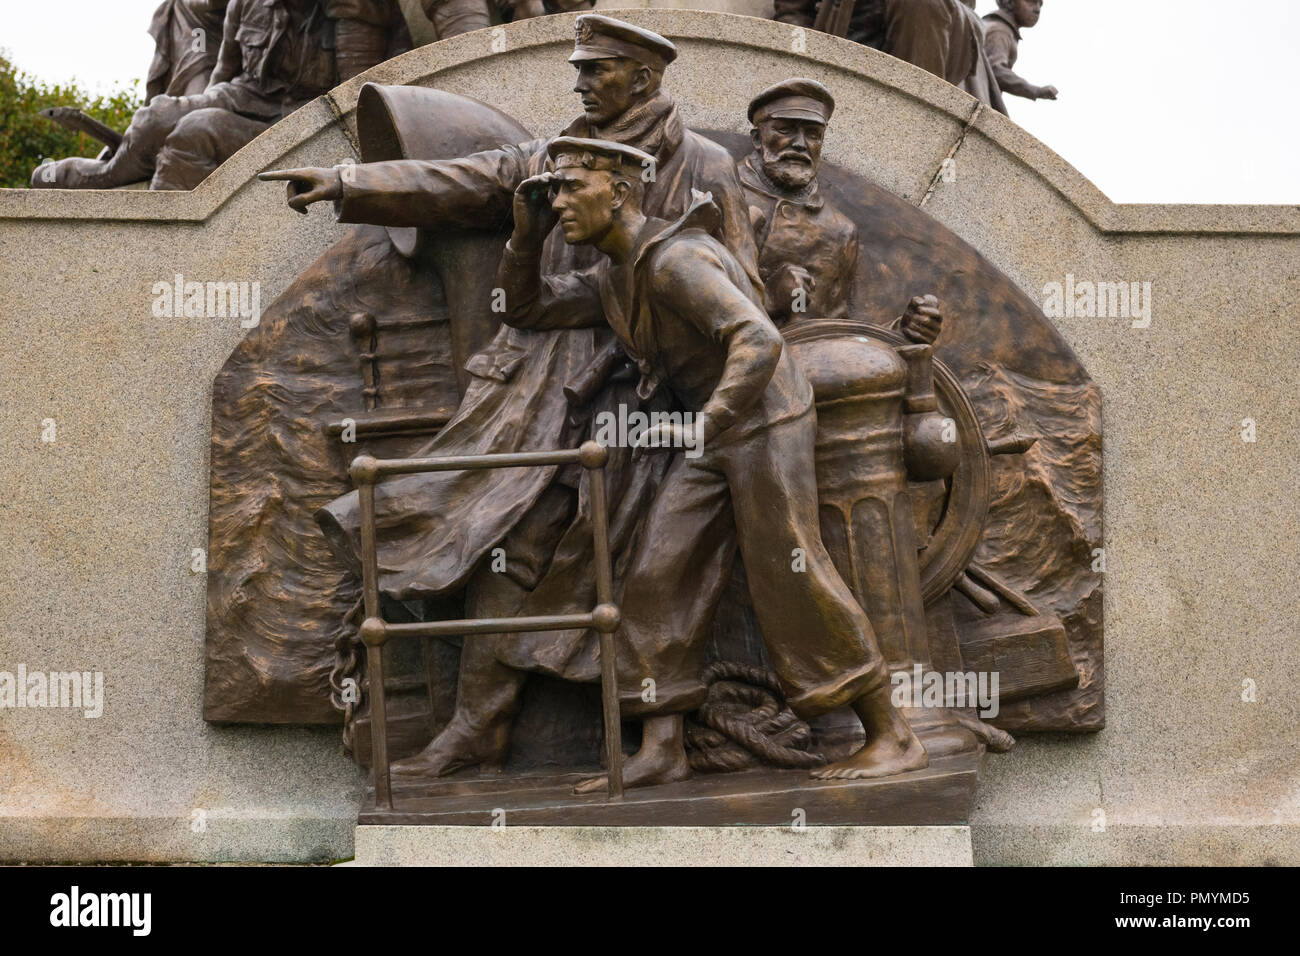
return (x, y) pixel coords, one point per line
(643, 769)
(880, 758)
(660, 759)
(456, 748)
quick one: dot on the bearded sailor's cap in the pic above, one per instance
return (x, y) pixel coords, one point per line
(600, 37)
(573, 151)
(798, 98)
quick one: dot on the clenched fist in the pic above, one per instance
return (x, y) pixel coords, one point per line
(922, 321)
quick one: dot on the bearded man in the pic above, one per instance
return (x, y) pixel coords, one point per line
(807, 248)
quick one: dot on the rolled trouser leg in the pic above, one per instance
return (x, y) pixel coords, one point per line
(199, 143)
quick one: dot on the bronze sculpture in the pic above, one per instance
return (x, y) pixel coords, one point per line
(479, 710)
(1002, 39)
(684, 308)
(524, 375)
(944, 37)
(874, 397)
(808, 249)
(453, 17)
(187, 38)
(275, 56)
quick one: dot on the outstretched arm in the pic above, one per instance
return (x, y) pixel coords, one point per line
(473, 192)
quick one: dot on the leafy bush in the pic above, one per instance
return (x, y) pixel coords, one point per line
(26, 139)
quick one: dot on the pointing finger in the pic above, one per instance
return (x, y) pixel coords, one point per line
(274, 174)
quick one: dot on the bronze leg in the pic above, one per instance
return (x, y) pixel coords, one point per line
(673, 587)
(819, 639)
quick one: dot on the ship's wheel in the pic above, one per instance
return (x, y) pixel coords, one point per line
(951, 540)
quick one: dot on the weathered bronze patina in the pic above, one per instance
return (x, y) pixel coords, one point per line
(942, 36)
(684, 309)
(434, 530)
(853, 495)
(273, 57)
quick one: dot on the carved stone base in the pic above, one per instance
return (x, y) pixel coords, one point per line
(663, 846)
(941, 794)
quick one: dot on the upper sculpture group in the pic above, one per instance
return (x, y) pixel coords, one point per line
(225, 70)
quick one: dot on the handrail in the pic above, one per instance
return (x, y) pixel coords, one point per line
(366, 472)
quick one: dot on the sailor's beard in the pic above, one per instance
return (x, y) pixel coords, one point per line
(789, 174)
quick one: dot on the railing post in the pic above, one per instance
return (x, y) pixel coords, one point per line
(605, 616)
(365, 472)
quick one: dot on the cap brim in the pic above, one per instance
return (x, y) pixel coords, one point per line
(792, 112)
(595, 53)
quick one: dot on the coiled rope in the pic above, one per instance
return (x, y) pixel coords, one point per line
(745, 723)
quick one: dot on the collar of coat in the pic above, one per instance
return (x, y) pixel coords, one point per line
(652, 126)
(702, 213)
(752, 176)
(1008, 19)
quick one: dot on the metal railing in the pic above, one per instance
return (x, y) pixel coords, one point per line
(366, 472)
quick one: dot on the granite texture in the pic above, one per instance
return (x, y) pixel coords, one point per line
(663, 846)
(99, 526)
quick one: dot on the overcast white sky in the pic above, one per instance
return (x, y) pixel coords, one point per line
(1161, 100)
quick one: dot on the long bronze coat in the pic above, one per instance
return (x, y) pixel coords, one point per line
(434, 529)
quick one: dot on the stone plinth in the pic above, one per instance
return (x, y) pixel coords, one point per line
(663, 846)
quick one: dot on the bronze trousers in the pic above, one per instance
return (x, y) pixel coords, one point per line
(756, 490)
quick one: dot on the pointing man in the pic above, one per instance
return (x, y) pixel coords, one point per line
(435, 531)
